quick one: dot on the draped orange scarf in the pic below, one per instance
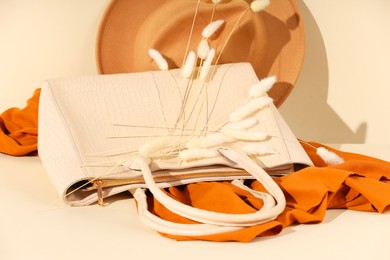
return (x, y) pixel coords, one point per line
(361, 183)
(19, 128)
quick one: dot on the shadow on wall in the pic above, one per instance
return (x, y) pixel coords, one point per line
(306, 110)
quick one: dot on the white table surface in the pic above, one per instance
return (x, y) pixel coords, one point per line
(36, 224)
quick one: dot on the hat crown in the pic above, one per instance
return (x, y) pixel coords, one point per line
(168, 27)
(272, 40)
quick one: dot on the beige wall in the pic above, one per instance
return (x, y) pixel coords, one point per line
(344, 88)
(342, 94)
(42, 39)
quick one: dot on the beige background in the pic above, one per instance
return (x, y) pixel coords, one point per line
(343, 93)
(341, 96)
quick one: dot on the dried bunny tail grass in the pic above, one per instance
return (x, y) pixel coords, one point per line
(242, 125)
(245, 135)
(211, 28)
(258, 5)
(216, 1)
(195, 154)
(156, 145)
(203, 49)
(258, 149)
(207, 64)
(329, 157)
(249, 108)
(208, 141)
(158, 59)
(262, 87)
(189, 65)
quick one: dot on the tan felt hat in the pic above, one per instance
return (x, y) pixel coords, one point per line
(273, 40)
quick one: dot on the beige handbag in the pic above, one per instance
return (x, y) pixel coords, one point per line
(102, 135)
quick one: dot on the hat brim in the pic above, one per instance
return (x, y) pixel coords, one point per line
(285, 36)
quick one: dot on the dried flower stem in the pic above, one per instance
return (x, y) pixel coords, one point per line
(205, 98)
(213, 12)
(111, 154)
(99, 164)
(191, 32)
(231, 33)
(202, 75)
(124, 124)
(222, 49)
(183, 104)
(144, 136)
(185, 98)
(218, 92)
(160, 101)
(182, 113)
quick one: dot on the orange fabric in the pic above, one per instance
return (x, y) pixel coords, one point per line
(19, 128)
(361, 183)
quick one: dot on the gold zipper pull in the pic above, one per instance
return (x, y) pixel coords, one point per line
(99, 188)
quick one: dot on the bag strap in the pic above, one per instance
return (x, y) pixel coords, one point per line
(173, 228)
(215, 218)
(177, 229)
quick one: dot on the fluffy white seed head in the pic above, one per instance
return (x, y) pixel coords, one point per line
(158, 59)
(189, 65)
(250, 108)
(329, 157)
(216, 1)
(208, 141)
(196, 154)
(262, 87)
(211, 28)
(245, 135)
(259, 5)
(207, 64)
(242, 125)
(148, 149)
(203, 49)
(258, 149)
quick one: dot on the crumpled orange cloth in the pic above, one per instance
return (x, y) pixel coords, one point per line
(361, 183)
(19, 128)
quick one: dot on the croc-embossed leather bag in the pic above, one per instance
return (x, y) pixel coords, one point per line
(102, 135)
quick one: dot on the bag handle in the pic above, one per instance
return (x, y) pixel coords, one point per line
(168, 227)
(214, 218)
(177, 229)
